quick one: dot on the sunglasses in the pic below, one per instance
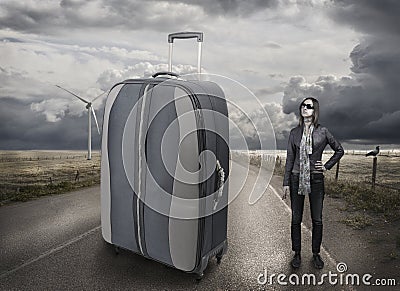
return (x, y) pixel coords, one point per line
(308, 106)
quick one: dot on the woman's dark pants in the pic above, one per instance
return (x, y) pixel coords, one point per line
(316, 199)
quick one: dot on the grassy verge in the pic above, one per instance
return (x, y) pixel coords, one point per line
(357, 221)
(28, 175)
(28, 192)
(360, 196)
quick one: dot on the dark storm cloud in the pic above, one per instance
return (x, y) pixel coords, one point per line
(368, 16)
(378, 57)
(232, 7)
(19, 17)
(122, 14)
(104, 14)
(74, 4)
(22, 128)
(11, 39)
(364, 106)
(272, 45)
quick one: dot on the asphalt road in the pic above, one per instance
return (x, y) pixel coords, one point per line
(55, 243)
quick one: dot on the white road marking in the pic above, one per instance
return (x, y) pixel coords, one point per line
(49, 252)
(328, 255)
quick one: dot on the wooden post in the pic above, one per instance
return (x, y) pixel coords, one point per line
(337, 171)
(374, 172)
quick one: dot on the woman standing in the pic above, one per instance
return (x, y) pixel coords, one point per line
(304, 175)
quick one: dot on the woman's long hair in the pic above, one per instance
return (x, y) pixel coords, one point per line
(315, 115)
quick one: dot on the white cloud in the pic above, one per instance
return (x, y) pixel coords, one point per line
(54, 110)
(140, 70)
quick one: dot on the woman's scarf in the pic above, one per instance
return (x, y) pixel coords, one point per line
(305, 151)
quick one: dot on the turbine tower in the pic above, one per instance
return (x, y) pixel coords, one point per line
(90, 110)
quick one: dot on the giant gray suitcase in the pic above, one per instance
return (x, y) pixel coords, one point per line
(164, 168)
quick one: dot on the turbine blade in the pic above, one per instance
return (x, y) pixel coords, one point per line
(80, 98)
(95, 119)
(99, 96)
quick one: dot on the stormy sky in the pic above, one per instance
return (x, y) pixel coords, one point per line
(345, 53)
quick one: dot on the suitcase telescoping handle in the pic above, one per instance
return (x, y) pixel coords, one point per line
(185, 35)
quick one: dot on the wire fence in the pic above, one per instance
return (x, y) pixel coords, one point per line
(41, 158)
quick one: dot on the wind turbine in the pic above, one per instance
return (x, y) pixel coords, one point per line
(90, 110)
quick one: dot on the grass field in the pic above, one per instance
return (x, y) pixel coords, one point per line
(28, 174)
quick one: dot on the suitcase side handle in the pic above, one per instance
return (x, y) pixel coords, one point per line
(185, 35)
(165, 73)
(220, 184)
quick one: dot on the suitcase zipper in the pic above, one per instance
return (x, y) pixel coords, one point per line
(140, 150)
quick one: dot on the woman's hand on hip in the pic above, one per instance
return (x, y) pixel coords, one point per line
(320, 166)
(286, 190)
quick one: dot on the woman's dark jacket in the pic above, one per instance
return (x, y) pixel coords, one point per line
(320, 138)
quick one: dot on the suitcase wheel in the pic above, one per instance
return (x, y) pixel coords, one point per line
(116, 250)
(219, 260)
(199, 277)
(219, 257)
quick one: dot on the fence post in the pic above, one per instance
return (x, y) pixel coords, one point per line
(374, 172)
(337, 171)
(77, 175)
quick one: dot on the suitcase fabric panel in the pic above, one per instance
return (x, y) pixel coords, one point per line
(105, 169)
(183, 233)
(217, 98)
(156, 181)
(171, 240)
(209, 186)
(123, 198)
(214, 100)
